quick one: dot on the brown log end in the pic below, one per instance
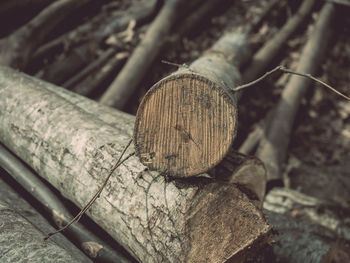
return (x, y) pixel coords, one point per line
(185, 125)
(227, 227)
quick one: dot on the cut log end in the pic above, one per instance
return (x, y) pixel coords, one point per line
(185, 125)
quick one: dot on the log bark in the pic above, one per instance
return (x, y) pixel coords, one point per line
(186, 122)
(273, 148)
(22, 209)
(16, 50)
(155, 219)
(21, 241)
(269, 51)
(137, 65)
(93, 246)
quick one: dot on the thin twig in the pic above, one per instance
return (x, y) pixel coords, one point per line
(89, 204)
(288, 71)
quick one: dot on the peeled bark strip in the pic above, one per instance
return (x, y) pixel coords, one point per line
(16, 50)
(273, 148)
(137, 65)
(269, 51)
(156, 220)
(24, 209)
(186, 122)
(21, 241)
(56, 209)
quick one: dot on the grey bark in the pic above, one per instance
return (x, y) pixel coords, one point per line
(154, 219)
(22, 241)
(87, 241)
(22, 208)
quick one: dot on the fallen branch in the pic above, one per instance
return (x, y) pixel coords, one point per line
(59, 213)
(17, 49)
(136, 209)
(270, 49)
(142, 57)
(272, 149)
(22, 241)
(9, 196)
(62, 70)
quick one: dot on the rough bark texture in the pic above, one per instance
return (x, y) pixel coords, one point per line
(15, 51)
(156, 220)
(186, 123)
(273, 148)
(21, 241)
(137, 65)
(93, 246)
(23, 209)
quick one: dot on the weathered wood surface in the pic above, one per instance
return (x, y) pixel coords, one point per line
(22, 209)
(156, 220)
(186, 122)
(53, 207)
(21, 239)
(273, 146)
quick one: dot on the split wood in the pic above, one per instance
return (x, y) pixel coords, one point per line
(90, 203)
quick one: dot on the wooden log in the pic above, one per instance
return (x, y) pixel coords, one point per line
(21, 241)
(142, 57)
(155, 219)
(273, 148)
(186, 122)
(247, 172)
(92, 245)
(23, 209)
(16, 50)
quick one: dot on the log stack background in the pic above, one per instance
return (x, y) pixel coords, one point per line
(84, 46)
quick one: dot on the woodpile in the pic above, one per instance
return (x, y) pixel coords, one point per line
(164, 125)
